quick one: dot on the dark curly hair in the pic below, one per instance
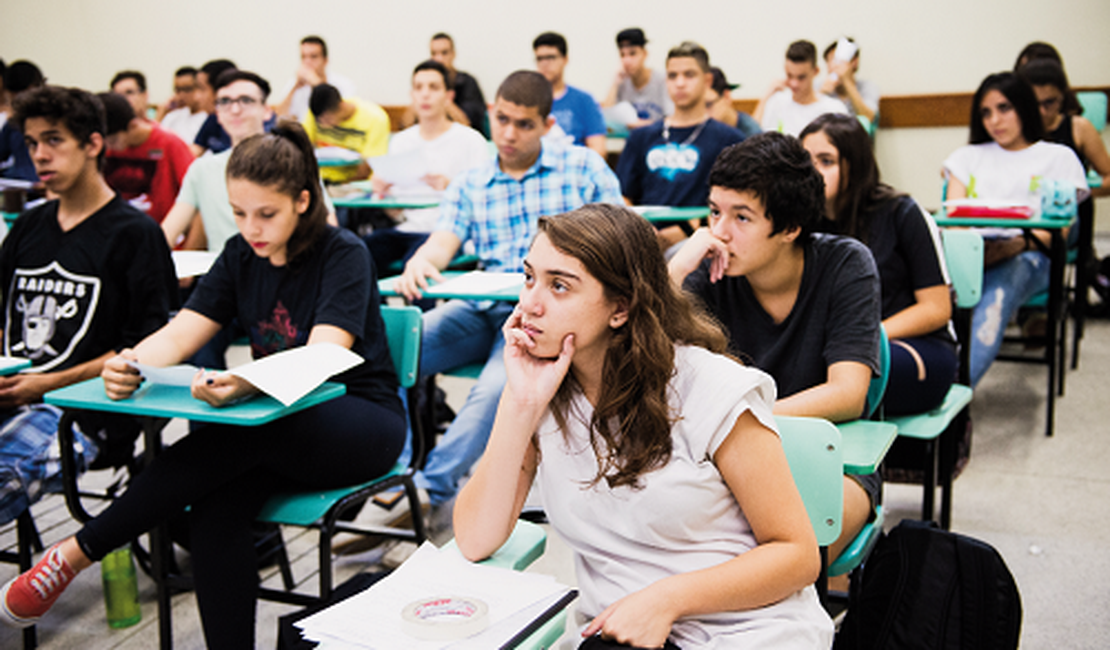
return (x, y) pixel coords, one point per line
(778, 170)
(284, 160)
(630, 430)
(79, 111)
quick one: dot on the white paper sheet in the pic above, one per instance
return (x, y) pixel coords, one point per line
(181, 375)
(402, 170)
(192, 263)
(338, 153)
(481, 282)
(290, 375)
(621, 113)
(372, 619)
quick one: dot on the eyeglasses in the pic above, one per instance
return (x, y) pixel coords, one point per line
(184, 89)
(225, 103)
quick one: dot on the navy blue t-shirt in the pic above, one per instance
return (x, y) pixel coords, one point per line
(658, 170)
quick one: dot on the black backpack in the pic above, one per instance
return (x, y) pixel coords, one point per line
(927, 588)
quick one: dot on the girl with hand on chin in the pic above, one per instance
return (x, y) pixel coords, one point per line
(656, 455)
(293, 281)
(1006, 159)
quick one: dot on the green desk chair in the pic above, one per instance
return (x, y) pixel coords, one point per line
(963, 254)
(526, 544)
(1094, 107)
(322, 509)
(812, 448)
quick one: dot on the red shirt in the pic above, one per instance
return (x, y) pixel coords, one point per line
(155, 169)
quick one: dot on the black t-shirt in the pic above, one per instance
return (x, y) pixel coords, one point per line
(835, 317)
(334, 283)
(468, 97)
(69, 297)
(657, 170)
(905, 252)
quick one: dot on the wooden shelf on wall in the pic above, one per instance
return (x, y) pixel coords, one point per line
(895, 111)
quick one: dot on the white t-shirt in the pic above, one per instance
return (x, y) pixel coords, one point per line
(298, 107)
(868, 91)
(683, 517)
(184, 123)
(785, 115)
(460, 148)
(990, 172)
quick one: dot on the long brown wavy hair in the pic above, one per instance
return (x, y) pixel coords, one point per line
(630, 430)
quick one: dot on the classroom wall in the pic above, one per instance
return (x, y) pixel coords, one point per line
(907, 47)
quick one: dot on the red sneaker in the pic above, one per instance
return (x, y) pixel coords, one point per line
(27, 596)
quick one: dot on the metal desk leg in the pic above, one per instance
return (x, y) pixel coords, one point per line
(1058, 260)
(160, 548)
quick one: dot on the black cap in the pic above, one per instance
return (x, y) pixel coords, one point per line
(631, 37)
(720, 82)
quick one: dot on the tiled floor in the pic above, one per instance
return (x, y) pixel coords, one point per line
(1043, 502)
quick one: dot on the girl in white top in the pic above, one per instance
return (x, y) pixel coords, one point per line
(656, 455)
(1006, 159)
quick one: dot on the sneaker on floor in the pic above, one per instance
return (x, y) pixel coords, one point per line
(29, 595)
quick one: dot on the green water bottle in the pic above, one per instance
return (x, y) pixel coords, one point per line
(121, 589)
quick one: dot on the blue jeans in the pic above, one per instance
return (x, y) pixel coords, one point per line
(1006, 287)
(458, 333)
(30, 464)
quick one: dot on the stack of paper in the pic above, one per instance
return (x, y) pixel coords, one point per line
(372, 619)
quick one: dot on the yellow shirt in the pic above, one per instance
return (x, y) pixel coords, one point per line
(365, 132)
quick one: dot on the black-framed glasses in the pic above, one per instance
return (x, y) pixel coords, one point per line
(244, 102)
(1050, 103)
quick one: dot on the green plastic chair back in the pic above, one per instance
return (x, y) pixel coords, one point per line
(402, 331)
(1094, 107)
(963, 254)
(812, 447)
(877, 388)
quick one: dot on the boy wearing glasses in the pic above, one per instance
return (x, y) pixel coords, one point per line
(576, 113)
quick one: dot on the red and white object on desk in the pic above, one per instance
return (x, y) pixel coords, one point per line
(988, 208)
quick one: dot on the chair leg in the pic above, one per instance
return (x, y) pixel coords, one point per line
(929, 482)
(27, 539)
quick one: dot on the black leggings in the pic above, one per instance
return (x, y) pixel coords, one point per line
(920, 379)
(226, 473)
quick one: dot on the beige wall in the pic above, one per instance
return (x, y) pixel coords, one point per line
(907, 47)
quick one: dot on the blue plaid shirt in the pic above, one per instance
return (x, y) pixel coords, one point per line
(499, 213)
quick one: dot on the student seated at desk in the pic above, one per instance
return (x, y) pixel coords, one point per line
(1005, 159)
(448, 149)
(668, 162)
(82, 276)
(656, 454)
(916, 304)
(803, 307)
(349, 123)
(292, 281)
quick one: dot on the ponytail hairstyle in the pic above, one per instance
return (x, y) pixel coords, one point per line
(860, 191)
(285, 161)
(630, 430)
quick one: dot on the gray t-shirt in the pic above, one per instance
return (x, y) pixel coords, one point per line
(835, 317)
(652, 102)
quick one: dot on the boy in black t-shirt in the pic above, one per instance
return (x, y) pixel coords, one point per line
(804, 308)
(82, 277)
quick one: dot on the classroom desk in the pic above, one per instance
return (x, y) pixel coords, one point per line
(510, 294)
(864, 444)
(384, 202)
(657, 214)
(337, 162)
(12, 365)
(1058, 258)
(154, 405)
